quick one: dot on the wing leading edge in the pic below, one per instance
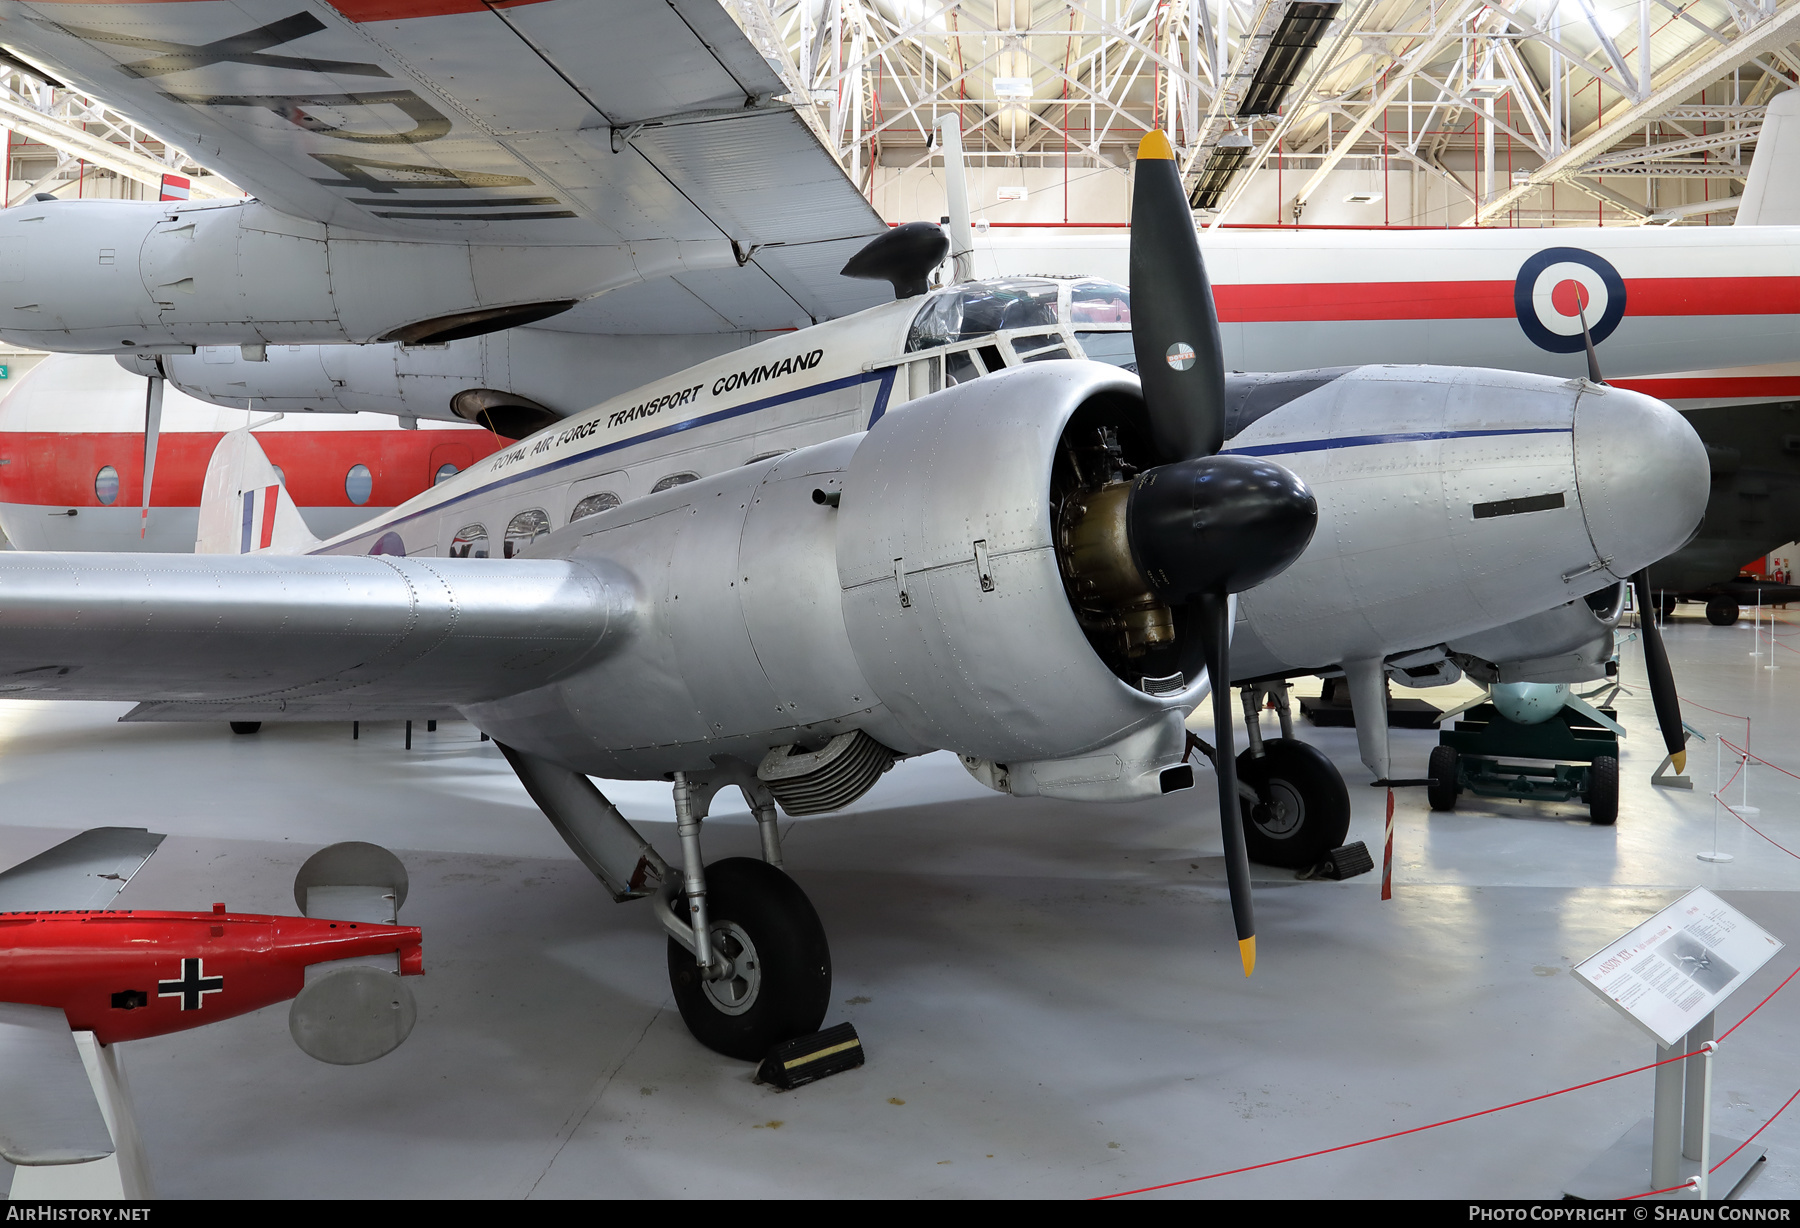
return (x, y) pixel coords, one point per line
(213, 636)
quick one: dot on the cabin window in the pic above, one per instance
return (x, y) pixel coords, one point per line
(924, 377)
(106, 485)
(444, 474)
(359, 484)
(674, 480)
(593, 505)
(470, 542)
(524, 529)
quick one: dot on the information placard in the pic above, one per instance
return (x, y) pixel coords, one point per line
(1670, 972)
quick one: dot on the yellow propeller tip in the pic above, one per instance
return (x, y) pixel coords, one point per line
(1679, 761)
(1156, 145)
(1247, 953)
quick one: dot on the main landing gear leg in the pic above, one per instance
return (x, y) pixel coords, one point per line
(1300, 810)
(747, 955)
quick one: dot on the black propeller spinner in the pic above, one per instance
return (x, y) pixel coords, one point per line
(1656, 657)
(1202, 526)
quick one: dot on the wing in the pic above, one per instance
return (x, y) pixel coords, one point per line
(48, 1114)
(310, 637)
(84, 871)
(527, 122)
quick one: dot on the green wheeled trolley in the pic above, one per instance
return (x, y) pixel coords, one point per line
(1576, 759)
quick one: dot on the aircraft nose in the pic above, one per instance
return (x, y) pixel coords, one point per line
(1642, 476)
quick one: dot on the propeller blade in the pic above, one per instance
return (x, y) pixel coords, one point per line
(1662, 678)
(1215, 637)
(1174, 327)
(1587, 339)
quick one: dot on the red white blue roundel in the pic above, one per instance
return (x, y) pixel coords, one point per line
(1559, 285)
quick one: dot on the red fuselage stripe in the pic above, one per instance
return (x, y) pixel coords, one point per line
(52, 469)
(1493, 300)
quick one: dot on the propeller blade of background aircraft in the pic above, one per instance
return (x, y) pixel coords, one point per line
(1662, 678)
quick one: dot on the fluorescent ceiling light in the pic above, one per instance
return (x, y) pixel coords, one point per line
(1012, 87)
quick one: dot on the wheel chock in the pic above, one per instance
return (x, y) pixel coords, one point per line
(807, 1059)
(1341, 863)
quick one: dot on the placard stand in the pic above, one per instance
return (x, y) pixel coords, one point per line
(1668, 975)
(1676, 1145)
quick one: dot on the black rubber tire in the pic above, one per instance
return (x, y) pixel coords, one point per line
(245, 726)
(1305, 808)
(1722, 612)
(1667, 603)
(1440, 770)
(1603, 791)
(794, 961)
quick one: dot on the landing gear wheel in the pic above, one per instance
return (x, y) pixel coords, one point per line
(1722, 612)
(245, 726)
(781, 982)
(1666, 603)
(1304, 811)
(1441, 770)
(1603, 791)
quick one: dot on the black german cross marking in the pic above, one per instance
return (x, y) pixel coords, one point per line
(246, 48)
(193, 986)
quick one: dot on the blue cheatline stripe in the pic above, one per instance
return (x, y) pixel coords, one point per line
(886, 378)
(249, 519)
(1364, 441)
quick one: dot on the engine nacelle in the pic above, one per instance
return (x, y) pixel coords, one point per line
(110, 277)
(516, 381)
(910, 583)
(956, 594)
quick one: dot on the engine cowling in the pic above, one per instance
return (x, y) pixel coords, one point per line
(957, 584)
(911, 582)
(111, 277)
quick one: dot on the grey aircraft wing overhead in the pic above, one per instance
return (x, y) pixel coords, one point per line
(655, 132)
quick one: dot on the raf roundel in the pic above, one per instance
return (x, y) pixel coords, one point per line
(1181, 356)
(1560, 287)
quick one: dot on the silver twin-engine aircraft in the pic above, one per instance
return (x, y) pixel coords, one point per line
(1009, 520)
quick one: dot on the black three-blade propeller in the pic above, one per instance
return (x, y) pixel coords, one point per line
(1202, 526)
(1656, 657)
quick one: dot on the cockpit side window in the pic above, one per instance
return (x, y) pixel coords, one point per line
(983, 307)
(1099, 302)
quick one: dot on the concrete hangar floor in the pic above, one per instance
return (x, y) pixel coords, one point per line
(1049, 994)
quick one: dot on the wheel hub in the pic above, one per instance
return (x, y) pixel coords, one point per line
(1283, 814)
(736, 993)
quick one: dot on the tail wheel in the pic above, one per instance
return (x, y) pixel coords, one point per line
(1603, 791)
(781, 966)
(1303, 808)
(1441, 771)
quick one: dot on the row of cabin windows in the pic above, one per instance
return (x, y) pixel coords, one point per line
(471, 541)
(359, 483)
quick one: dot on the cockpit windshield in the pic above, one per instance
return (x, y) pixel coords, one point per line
(982, 308)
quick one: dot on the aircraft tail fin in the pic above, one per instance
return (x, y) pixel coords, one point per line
(1772, 193)
(244, 505)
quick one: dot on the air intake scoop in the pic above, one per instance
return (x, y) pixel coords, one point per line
(904, 256)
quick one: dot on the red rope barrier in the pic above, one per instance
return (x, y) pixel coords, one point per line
(1685, 1185)
(1777, 1113)
(1451, 1121)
